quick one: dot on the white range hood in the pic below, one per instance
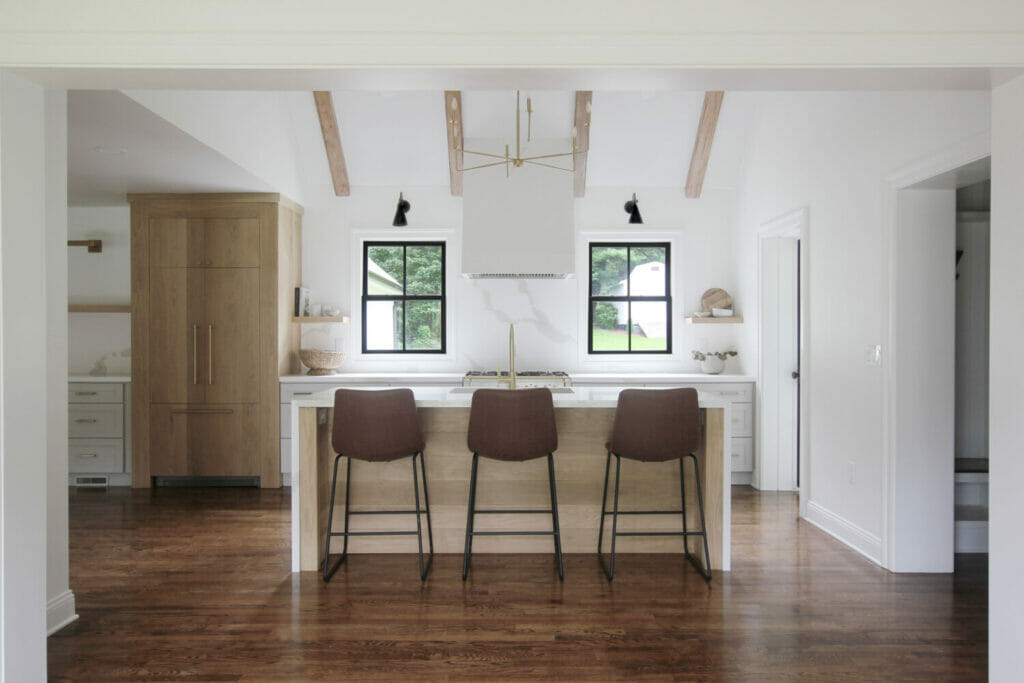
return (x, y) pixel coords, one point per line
(517, 227)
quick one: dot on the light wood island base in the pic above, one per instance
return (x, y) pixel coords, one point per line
(579, 471)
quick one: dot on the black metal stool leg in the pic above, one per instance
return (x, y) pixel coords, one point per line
(682, 496)
(615, 518)
(348, 489)
(703, 529)
(419, 527)
(327, 569)
(469, 519)
(554, 517)
(604, 503)
(426, 504)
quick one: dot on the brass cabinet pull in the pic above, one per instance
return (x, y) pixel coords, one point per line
(86, 455)
(86, 420)
(202, 411)
(209, 351)
(195, 354)
(85, 393)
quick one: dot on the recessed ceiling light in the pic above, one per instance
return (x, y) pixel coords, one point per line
(106, 149)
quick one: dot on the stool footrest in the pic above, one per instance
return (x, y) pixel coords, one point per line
(512, 533)
(659, 533)
(644, 512)
(374, 533)
(512, 512)
(386, 512)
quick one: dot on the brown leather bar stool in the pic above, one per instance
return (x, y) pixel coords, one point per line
(655, 425)
(512, 425)
(377, 426)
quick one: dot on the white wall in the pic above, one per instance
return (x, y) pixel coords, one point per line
(99, 343)
(24, 409)
(550, 330)
(830, 151)
(923, 362)
(1006, 428)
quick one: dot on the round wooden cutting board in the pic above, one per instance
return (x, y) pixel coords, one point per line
(715, 298)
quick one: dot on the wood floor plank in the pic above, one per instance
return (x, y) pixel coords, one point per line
(195, 585)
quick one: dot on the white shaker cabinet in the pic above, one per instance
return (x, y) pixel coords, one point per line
(99, 431)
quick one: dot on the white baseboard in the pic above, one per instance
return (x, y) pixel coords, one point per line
(971, 537)
(742, 478)
(847, 533)
(60, 611)
(286, 479)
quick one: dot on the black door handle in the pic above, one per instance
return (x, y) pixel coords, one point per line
(796, 375)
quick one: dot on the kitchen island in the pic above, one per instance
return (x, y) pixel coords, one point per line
(584, 417)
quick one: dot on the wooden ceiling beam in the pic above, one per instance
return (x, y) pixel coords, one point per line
(581, 122)
(332, 141)
(702, 145)
(453, 123)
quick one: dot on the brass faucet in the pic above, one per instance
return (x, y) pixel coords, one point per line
(511, 379)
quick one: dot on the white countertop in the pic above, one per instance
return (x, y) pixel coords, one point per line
(461, 397)
(105, 379)
(456, 377)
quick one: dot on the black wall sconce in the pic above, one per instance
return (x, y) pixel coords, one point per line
(403, 208)
(633, 210)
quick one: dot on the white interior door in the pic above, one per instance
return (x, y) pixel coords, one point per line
(780, 365)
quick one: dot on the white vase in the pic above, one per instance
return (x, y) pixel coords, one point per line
(712, 365)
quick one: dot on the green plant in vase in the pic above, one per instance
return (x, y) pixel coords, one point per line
(712, 362)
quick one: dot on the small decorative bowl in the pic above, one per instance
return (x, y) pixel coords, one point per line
(321, 362)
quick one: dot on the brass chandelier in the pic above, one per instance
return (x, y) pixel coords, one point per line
(518, 159)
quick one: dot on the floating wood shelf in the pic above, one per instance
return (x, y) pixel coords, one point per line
(99, 308)
(322, 319)
(693, 320)
(94, 246)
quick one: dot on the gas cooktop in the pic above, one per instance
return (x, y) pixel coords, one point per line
(520, 373)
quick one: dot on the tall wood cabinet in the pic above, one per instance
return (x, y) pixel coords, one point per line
(213, 277)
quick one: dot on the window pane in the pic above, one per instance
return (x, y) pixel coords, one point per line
(423, 268)
(423, 325)
(608, 271)
(385, 271)
(648, 271)
(650, 329)
(610, 326)
(383, 325)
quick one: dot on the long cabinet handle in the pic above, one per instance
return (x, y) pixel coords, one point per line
(86, 420)
(202, 411)
(195, 354)
(85, 455)
(85, 393)
(209, 352)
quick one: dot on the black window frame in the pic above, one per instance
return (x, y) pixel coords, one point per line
(628, 299)
(404, 296)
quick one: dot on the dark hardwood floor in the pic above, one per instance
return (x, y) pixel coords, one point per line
(195, 585)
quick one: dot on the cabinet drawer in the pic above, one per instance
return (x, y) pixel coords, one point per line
(742, 419)
(290, 391)
(286, 420)
(737, 393)
(95, 393)
(100, 420)
(286, 455)
(95, 455)
(742, 455)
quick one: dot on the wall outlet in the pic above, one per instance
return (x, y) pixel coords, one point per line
(851, 471)
(873, 354)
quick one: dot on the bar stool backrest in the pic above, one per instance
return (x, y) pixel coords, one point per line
(512, 425)
(656, 424)
(376, 425)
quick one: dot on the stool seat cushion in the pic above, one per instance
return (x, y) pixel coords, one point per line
(656, 424)
(512, 425)
(376, 425)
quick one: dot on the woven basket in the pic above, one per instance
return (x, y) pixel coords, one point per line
(321, 362)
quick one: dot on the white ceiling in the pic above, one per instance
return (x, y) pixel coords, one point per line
(641, 133)
(116, 146)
